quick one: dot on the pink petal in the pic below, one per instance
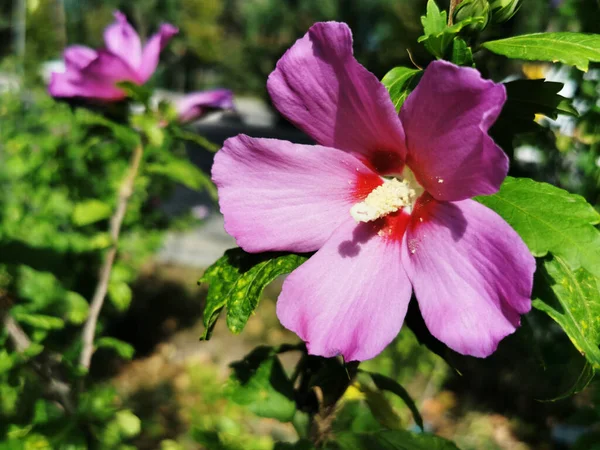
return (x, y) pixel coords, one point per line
(276, 195)
(73, 84)
(471, 272)
(109, 68)
(351, 297)
(122, 40)
(79, 56)
(320, 87)
(194, 105)
(446, 119)
(152, 50)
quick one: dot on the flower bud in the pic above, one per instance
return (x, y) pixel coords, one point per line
(473, 8)
(502, 10)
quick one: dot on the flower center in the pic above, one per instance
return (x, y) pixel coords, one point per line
(394, 194)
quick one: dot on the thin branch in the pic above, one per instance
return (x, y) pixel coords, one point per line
(89, 329)
(453, 5)
(56, 389)
(18, 337)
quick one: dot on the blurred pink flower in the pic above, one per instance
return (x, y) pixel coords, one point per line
(93, 74)
(384, 200)
(194, 105)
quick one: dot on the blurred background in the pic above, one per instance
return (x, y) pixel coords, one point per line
(155, 386)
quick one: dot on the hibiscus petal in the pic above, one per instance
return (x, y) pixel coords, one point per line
(192, 106)
(471, 272)
(78, 56)
(320, 87)
(152, 50)
(349, 298)
(446, 119)
(73, 84)
(122, 40)
(276, 195)
(109, 68)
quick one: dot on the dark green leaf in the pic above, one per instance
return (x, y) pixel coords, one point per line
(142, 94)
(550, 219)
(398, 82)
(237, 280)
(461, 53)
(123, 349)
(525, 99)
(260, 383)
(299, 445)
(390, 440)
(573, 301)
(387, 384)
(574, 49)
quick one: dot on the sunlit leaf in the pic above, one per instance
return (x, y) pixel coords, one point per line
(90, 211)
(550, 219)
(398, 82)
(236, 282)
(123, 349)
(573, 301)
(574, 49)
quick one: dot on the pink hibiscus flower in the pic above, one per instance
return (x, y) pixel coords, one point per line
(384, 200)
(94, 74)
(192, 106)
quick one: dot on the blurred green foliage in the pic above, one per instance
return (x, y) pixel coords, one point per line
(61, 171)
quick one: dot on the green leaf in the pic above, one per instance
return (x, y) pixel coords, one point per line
(525, 99)
(90, 211)
(119, 294)
(437, 34)
(550, 219)
(184, 172)
(461, 53)
(237, 280)
(6, 361)
(390, 440)
(298, 445)
(398, 82)
(387, 384)
(195, 138)
(39, 321)
(123, 349)
(574, 49)
(380, 407)
(142, 94)
(573, 301)
(434, 21)
(260, 383)
(127, 136)
(130, 425)
(77, 308)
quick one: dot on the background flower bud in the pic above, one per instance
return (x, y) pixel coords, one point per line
(502, 10)
(473, 8)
